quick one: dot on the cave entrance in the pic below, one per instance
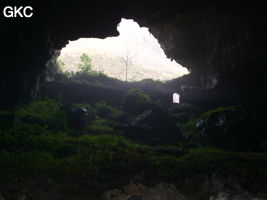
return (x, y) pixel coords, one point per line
(132, 56)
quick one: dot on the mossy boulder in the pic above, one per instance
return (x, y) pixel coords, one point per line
(183, 112)
(232, 128)
(154, 126)
(78, 117)
(135, 101)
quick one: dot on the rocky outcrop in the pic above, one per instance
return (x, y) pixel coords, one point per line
(221, 42)
(136, 191)
(232, 128)
(226, 186)
(153, 126)
(78, 117)
(229, 195)
(224, 50)
(222, 185)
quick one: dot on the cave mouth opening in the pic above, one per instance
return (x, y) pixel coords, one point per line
(134, 55)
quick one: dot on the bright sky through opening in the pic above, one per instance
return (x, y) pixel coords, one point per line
(135, 49)
(176, 98)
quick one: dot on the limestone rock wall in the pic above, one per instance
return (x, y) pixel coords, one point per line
(221, 42)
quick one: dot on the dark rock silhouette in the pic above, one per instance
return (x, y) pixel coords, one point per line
(153, 126)
(78, 117)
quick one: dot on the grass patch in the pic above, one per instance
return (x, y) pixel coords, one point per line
(31, 147)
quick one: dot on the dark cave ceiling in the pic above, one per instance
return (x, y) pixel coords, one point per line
(221, 42)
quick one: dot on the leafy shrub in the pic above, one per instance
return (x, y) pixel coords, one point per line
(150, 84)
(189, 128)
(106, 111)
(100, 126)
(86, 63)
(44, 112)
(218, 111)
(135, 101)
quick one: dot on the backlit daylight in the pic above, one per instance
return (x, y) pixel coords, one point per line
(134, 55)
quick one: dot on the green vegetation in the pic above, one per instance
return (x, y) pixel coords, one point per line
(219, 110)
(115, 65)
(135, 101)
(85, 70)
(35, 140)
(86, 63)
(85, 66)
(106, 111)
(101, 126)
(46, 112)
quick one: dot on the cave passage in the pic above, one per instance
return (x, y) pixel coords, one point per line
(132, 56)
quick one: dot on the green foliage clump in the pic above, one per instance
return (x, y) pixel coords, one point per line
(136, 101)
(100, 126)
(106, 111)
(189, 128)
(151, 84)
(219, 110)
(86, 63)
(86, 67)
(85, 73)
(43, 112)
(59, 156)
(205, 161)
(106, 118)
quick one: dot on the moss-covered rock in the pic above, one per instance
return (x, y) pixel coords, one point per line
(232, 127)
(135, 101)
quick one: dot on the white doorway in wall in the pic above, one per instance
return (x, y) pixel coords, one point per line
(176, 98)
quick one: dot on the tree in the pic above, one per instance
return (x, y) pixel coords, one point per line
(127, 60)
(86, 64)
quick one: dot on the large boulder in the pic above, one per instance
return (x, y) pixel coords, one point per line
(78, 117)
(183, 112)
(154, 126)
(227, 187)
(232, 127)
